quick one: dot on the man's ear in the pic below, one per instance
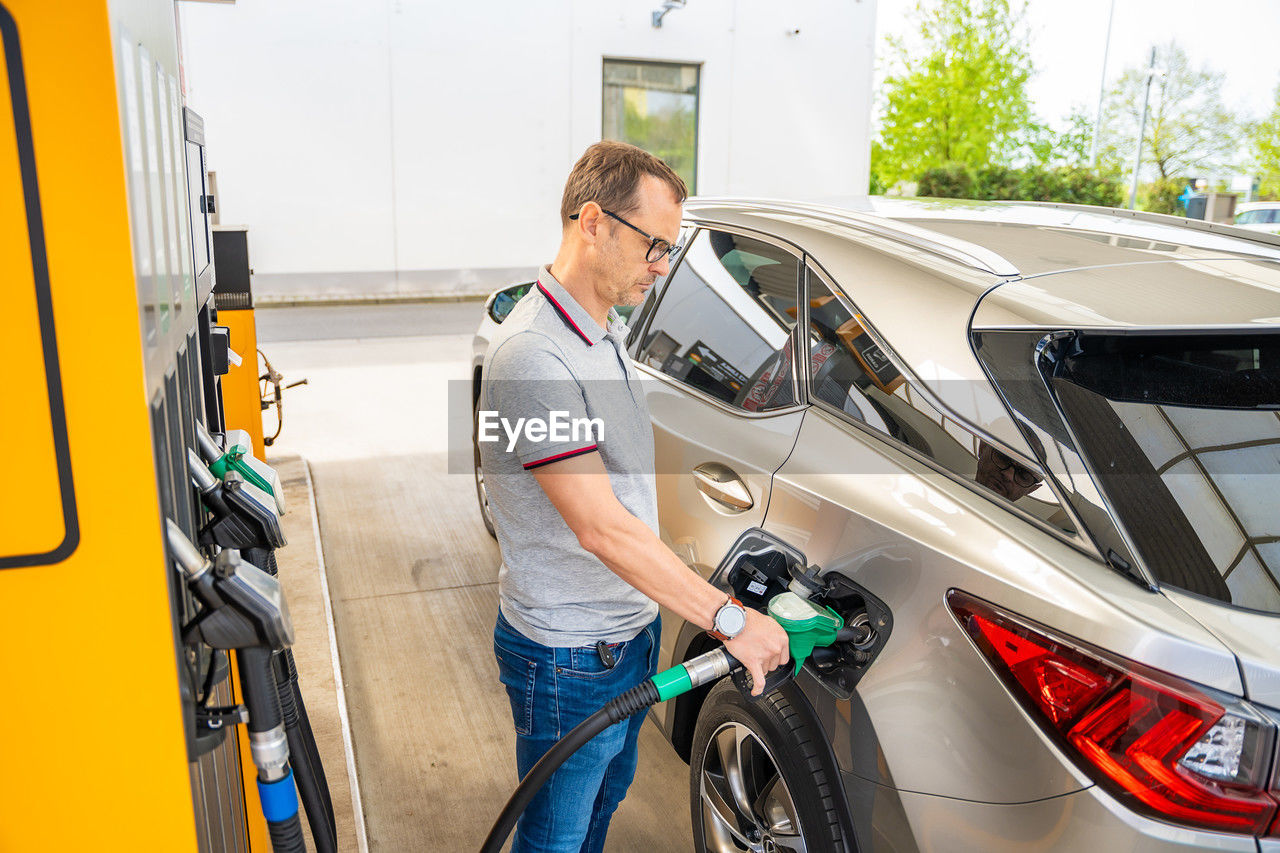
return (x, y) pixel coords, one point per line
(588, 222)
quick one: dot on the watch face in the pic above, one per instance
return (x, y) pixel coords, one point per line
(730, 620)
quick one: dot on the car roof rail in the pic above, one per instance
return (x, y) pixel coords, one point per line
(1219, 228)
(953, 249)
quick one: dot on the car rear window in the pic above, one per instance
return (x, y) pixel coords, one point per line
(1181, 436)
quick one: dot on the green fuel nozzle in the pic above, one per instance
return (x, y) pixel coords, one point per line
(238, 456)
(808, 626)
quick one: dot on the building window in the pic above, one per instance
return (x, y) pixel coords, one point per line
(654, 105)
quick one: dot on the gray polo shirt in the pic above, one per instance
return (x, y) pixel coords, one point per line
(550, 362)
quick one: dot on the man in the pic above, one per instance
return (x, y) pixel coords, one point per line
(576, 511)
(1003, 475)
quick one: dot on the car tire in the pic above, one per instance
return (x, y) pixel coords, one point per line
(756, 779)
(482, 492)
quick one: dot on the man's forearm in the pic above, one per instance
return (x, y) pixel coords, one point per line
(632, 551)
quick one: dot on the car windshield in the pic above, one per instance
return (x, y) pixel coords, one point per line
(1180, 435)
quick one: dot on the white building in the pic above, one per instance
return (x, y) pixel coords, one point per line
(408, 146)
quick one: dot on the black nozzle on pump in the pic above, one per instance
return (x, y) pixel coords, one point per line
(243, 606)
(243, 609)
(246, 518)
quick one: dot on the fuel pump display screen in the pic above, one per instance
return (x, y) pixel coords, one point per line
(37, 504)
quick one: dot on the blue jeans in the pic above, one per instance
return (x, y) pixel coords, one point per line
(551, 691)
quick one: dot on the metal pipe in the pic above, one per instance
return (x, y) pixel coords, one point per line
(184, 553)
(208, 447)
(709, 667)
(200, 473)
(1142, 131)
(1102, 87)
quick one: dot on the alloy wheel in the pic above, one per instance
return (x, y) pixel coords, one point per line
(482, 495)
(746, 804)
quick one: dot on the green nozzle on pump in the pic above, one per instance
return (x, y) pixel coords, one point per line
(239, 457)
(808, 625)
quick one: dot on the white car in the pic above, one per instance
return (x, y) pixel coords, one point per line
(1259, 216)
(1033, 453)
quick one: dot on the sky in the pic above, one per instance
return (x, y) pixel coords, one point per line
(1068, 38)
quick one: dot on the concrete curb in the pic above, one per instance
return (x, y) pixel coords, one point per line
(348, 742)
(356, 299)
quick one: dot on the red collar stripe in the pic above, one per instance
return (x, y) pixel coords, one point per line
(565, 315)
(566, 455)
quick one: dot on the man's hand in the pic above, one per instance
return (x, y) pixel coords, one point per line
(761, 647)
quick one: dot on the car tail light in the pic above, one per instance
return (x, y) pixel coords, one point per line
(1162, 746)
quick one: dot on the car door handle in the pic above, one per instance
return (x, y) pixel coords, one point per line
(723, 486)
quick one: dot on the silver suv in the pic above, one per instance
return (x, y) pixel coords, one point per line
(1034, 451)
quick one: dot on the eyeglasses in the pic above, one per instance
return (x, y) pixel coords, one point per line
(1023, 476)
(657, 246)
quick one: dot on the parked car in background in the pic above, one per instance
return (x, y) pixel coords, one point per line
(1259, 216)
(1033, 451)
(496, 309)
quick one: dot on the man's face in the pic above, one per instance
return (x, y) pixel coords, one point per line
(624, 276)
(1004, 476)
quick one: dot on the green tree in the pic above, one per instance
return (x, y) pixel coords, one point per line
(965, 100)
(1073, 145)
(1065, 146)
(1188, 128)
(1264, 147)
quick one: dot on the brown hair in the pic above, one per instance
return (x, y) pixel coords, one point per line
(609, 173)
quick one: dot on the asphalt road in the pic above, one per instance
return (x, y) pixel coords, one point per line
(333, 322)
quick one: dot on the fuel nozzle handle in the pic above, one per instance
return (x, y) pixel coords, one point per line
(712, 666)
(695, 672)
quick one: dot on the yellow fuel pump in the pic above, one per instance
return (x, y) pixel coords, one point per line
(111, 368)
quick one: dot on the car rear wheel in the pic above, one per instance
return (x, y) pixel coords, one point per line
(756, 781)
(482, 493)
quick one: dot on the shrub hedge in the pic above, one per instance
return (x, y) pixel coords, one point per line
(1164, 196)
(991, 183)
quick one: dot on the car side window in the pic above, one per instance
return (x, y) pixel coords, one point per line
(636, 319)
(850, 374)
(723, 323)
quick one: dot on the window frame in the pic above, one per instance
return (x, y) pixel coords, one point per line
(697, 100)
(645, 309)
(799, 379)
(1081, 541)
(1142, 570)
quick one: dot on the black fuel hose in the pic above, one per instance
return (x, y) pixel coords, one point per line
(258, 687)
(633, 701)
(307, 772)
(304, 755)
(286, 835)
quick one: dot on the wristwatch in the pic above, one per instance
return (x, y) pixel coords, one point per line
(729, 620)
